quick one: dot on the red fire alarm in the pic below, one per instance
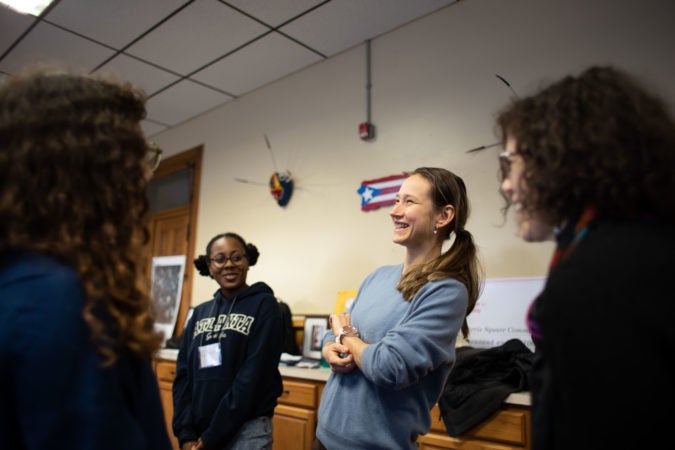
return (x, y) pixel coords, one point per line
(366, 131)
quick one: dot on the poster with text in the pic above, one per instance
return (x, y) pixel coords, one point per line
(500, 312)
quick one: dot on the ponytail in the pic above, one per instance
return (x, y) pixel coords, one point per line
(460, 261)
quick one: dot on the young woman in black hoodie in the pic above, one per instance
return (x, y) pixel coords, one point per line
(227, 376)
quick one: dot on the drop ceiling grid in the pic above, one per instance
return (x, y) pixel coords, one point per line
(192, 55)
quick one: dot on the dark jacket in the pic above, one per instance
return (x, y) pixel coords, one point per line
(480, 381)
(54, 391)
(604, 375)
(290, 344)
(214, 402)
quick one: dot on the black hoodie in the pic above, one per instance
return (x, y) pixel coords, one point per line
(213, 403)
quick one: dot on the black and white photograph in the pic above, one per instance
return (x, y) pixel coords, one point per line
(167, 287)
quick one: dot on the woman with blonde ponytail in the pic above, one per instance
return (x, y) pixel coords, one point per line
(391, 354)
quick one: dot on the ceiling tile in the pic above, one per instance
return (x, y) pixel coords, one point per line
(229, 45)
(183, 101)
(340, 25)
(12, 25)
(146, 76)
(260, 63)
(115, 23)
(150, 129)
(51, 45)
(275, 12)
(204, 31)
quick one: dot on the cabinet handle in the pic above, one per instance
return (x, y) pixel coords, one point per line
(287, 392)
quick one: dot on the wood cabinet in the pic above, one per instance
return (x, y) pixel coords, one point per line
(507, 429)
(295, 418)
(295, 415)
(166, 372)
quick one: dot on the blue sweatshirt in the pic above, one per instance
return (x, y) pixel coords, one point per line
(386, 404)
(54, 393)
(214, 402)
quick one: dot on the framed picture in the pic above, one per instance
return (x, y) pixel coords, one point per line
(315, 328)
(167, 287)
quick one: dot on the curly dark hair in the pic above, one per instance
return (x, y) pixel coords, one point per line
(460, 261)
(73, 182)
(202, 261)
(598, 139)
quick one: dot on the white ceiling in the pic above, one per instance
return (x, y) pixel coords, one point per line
(193, 55)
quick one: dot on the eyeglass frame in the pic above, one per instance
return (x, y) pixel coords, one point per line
(224, 259)
(153, 155)
(504, 158)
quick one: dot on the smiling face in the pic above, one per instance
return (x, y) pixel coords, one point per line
(531, 227)
(228, 265)
(413, 214)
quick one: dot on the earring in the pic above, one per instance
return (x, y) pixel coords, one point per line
(435, 230)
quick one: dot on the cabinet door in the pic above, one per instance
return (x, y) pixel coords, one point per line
(166, 371)
(508, 428)
(167, 403)
(434, 441)
(299, 393)
(293, 428)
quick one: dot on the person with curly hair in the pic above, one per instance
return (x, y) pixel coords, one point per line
(76, 330)
(227, 373)
(590, 161)
(392, 353)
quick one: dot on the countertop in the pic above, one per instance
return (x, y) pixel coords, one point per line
(167, 353)
(322, 374)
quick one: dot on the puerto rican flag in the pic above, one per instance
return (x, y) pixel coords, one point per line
(381, 191)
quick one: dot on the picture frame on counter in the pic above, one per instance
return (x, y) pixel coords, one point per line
(314, 330)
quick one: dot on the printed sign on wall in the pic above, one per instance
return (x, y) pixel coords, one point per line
(499, 314)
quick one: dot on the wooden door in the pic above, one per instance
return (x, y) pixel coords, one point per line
(171, 229)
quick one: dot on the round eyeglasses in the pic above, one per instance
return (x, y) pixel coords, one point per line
(153, 156)
(221, 260)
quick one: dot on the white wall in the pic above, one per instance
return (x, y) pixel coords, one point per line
(434, 95)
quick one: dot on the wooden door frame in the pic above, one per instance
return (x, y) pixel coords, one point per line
(188, 159)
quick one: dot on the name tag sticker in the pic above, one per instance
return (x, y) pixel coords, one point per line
(209, 356)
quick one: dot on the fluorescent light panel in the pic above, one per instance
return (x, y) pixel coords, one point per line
(34, 7)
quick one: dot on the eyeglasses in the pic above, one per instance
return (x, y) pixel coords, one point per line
(154, 155)
(505, 162)
(221, 260)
